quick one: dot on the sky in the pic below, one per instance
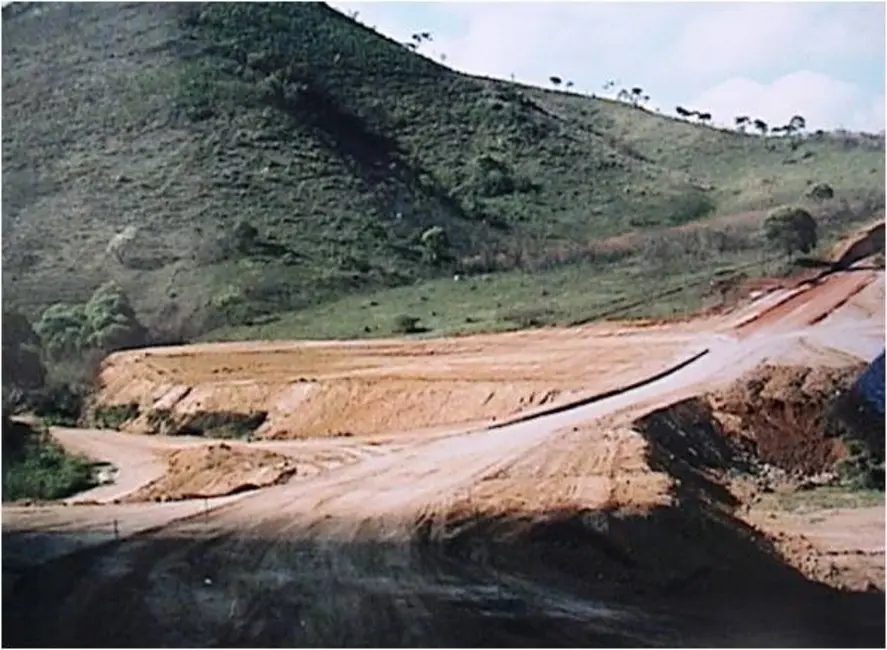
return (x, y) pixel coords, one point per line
(771, 60)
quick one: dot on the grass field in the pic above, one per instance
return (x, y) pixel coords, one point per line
(280, 164)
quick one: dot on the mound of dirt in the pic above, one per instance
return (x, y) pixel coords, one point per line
(864, 243)
(784, 412)
(216, 470)
(287, 390)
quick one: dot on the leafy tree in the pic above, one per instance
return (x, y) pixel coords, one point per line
(107, 322)
(761, 126)
(435, 245)
(791, 229)
(796, 124)
(62, 328)
(741, 121)
(111, 322)
(555, 81)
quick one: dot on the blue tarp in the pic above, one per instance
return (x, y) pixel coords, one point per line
(870, 384)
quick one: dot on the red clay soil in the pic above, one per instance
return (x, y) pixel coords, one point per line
(783, 411)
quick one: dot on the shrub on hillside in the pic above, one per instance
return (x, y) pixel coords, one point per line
(821, 192)
(489, 178)
(792, 230)
(435, 245)
(406, 324)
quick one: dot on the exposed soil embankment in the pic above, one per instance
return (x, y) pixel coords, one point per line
(867, 242)
(216, 470)
(785, 415)
(335, 389)
(652, 507)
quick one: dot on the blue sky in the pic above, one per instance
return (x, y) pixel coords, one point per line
(768, 60)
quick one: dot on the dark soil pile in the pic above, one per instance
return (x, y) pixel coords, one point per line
(785, 413)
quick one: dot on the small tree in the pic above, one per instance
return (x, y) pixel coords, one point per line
(435, 245)
(821, 192)
(796, 124)
(406, 324)
(555, 81)
(792, 230)
(245, 236)
(761, 126)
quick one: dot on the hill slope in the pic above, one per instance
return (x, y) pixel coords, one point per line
(267, 158)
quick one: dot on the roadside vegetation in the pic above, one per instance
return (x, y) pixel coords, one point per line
(36, 467)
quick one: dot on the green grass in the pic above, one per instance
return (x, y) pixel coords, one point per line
(342, 147)
(497, 302)
(114, 416)
(670, 276)
(823, 498)
(36, 467)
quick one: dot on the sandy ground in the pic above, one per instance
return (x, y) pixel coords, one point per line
(565, 440)
(838, 546)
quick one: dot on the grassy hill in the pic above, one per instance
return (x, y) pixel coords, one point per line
(275, 167)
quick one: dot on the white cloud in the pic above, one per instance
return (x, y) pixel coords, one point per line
(773, 58)
(825, 102)
(732, 38)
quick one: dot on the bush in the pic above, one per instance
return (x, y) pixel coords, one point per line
(114, 416)
(210, 424)
(222, 424)
(791, 229)
(821, 192)
(245, 236)
(36, 467)
(435, 245)
(405, 324)
(59, 404)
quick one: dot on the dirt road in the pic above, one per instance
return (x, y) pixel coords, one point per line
(333, 551)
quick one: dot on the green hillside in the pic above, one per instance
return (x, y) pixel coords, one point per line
(273, 162)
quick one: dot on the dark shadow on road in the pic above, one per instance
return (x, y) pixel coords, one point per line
(229, 590)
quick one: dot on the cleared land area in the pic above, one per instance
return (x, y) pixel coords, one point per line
(286, 179)
(630, 498)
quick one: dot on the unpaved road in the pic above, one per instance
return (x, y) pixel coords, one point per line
(325, 558)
